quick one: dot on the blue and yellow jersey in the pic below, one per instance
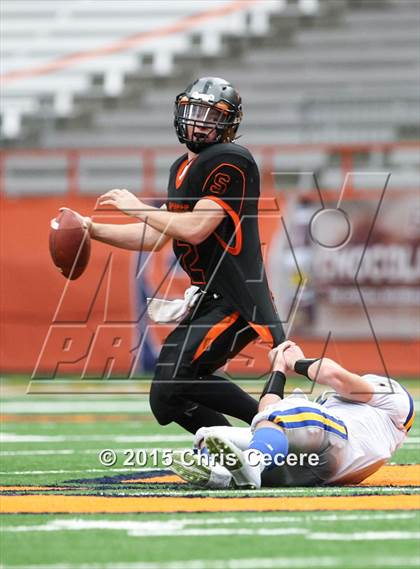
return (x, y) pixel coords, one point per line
(309, 416)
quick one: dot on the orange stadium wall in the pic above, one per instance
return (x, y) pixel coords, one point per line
(32, 288)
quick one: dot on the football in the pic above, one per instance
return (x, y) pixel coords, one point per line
(69, 244)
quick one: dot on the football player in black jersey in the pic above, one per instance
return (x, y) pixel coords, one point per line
(211, 215)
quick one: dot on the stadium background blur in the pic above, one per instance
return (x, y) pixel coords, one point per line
(330, 92)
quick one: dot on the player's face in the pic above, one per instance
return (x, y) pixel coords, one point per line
(202, 121)
(201, 133)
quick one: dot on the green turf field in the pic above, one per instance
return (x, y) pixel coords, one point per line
(358, 539)
(52, 442)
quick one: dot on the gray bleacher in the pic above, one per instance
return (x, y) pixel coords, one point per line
(349, 73)
(36, 35)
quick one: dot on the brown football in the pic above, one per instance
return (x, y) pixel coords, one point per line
(69, 244)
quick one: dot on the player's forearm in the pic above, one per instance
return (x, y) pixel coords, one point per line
(345, 383)
(167, 222)
(192, 227)
(132, 236)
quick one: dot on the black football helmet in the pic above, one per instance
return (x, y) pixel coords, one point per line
(207, 112)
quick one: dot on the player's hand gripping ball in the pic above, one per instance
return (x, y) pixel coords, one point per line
(70, 243)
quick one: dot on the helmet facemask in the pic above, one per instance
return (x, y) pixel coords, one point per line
(200, 124)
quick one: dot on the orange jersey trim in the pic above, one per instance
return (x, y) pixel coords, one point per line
(214, 332)
(182, 170)
(264, 332)
(237, 248)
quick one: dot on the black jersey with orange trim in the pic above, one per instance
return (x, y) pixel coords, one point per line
(230, 260)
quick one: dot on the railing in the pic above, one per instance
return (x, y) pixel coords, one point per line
(265, 154)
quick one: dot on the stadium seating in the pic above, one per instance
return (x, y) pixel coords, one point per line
(308, 71)
(43, 34)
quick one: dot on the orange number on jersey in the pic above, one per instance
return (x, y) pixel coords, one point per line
(189, 260)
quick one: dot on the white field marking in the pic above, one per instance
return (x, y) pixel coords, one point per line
(317, 491)
(60, 525)
(365, 536)
(177, 528)
(199, 492)
(15, 438)
(308, 517)
(82, 524)
(292, 491)
(203, 493)
(261, 563)
(246, 563)
(76, 396)
(101, 470)
(159, 529)
(79, 524)
(153, 438)
(36, 452)
(31, 406)
(159, 450)
(362, 517)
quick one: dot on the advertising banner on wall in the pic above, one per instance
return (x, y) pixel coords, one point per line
(351, 270)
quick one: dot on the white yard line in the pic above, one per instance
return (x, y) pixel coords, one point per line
(362, 517)
(96, 451)
(18, 438)
(103, 471)
(37, 452)
(146, 527)
(245, 563)
(292, 491)
(172, 530)
(217, 521)
(163, 438)
(261, 563)
(63, 405)
(179, 527)
(365, 536)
